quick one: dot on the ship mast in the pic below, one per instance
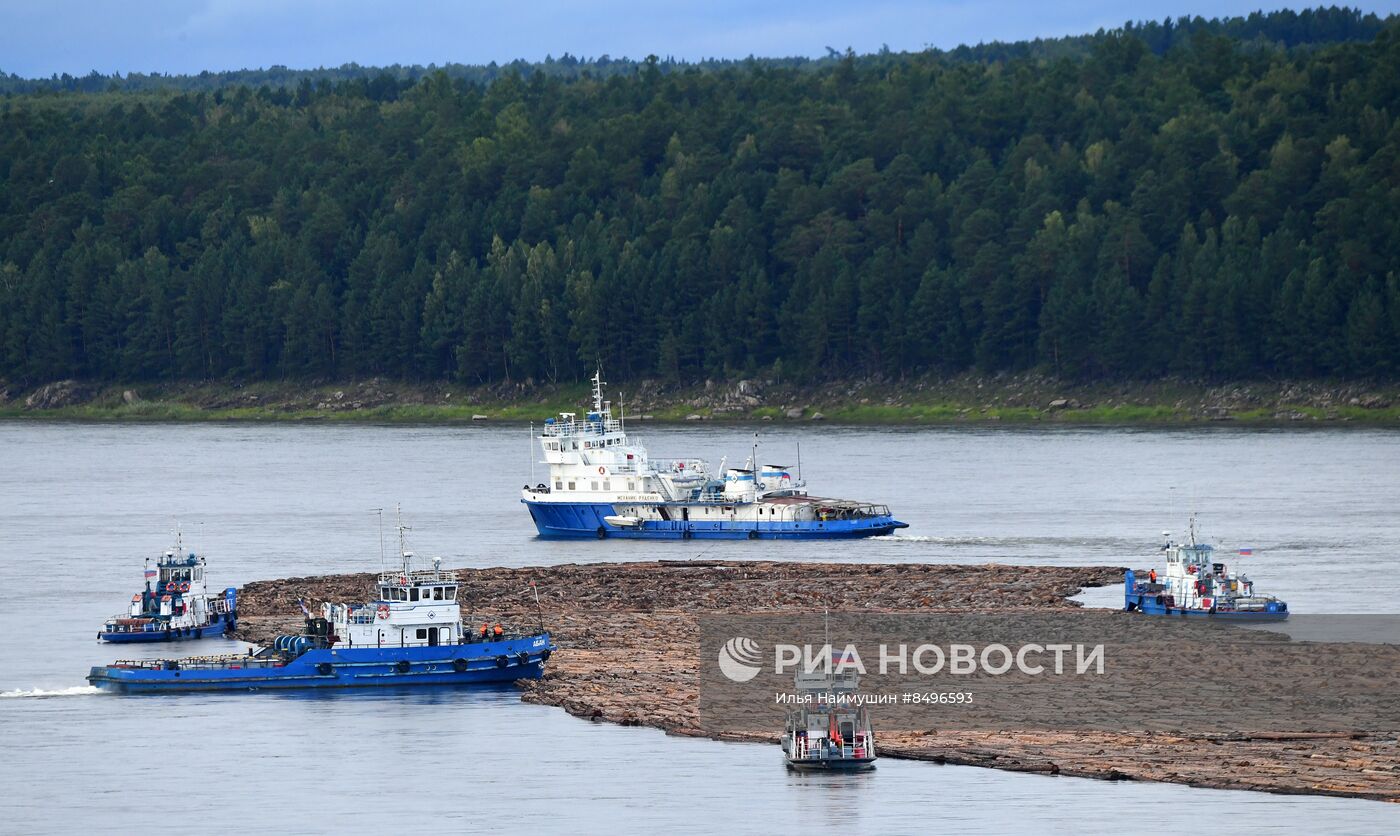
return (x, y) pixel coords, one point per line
(598, 391)
(404, 553)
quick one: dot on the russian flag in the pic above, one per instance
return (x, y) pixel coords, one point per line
(151, 573)
(1246, 551)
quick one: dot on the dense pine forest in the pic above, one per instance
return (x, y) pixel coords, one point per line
(1213, 199)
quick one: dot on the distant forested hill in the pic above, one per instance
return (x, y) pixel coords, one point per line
(1208, 198)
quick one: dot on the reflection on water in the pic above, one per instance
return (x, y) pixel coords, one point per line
(90, 501)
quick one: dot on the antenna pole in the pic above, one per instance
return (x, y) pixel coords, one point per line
(532, 452)
(799, 461)
(380, 512)
(539, 611)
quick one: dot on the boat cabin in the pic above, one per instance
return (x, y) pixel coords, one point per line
(415, 608)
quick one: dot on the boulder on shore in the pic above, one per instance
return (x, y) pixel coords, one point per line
(58, 394)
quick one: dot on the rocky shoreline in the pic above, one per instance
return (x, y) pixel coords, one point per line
(961, 399)
(628, 641)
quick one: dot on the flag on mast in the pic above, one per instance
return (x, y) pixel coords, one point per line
(1246, 552)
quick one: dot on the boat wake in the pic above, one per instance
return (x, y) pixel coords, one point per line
(75, 691)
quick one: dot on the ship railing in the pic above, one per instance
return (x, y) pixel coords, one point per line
(202, 663)
(806, 750)
(468, 636)
(581, 426)
(681, 467)
(849, 511)
(419, 576)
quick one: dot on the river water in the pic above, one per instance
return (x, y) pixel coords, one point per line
(82, 504)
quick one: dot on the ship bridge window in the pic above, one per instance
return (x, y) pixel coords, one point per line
(437, 593)
(571, 485)
(400, 594)
(384, 593)
(559, 484)
(413, 594)
(450, 594)
(199, 574)
(423, 633)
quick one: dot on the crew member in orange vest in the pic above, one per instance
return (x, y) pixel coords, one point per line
(498, 631)
(1152, 576)
(484, 629)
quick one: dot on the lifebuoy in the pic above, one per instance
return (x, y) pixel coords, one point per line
(459, 665)
(602, 471)
(502, 661)
(185, 587)
(401, 666)
(383, 611)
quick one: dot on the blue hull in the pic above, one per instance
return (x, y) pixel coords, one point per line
(586, 520)
(461, 664)
(217, 628)
(832, 765)
(1149, 605)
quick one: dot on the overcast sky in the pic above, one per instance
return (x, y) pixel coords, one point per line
(42, 37)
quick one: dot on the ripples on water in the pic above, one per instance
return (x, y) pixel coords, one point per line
(89, 501)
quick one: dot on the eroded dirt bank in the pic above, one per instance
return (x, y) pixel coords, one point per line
(628, 641)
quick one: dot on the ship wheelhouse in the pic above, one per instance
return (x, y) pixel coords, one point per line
(414, 608)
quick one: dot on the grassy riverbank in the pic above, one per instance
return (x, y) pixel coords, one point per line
(960, 400)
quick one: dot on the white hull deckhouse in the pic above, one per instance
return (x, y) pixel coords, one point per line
(603, 484)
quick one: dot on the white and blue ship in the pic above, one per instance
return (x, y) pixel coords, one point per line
(828, 731)
(1197, 584)
(603, 484)
(175, 604)
(411, 634)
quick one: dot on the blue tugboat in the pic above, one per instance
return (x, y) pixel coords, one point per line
(175, 605)
(411, 635)
(1195, 585)
(603, 484)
